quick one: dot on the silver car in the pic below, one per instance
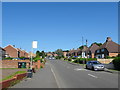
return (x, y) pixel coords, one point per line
(94, 65)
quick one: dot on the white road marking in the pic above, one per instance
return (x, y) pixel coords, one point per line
(92, 76)
(55, 78)
(80, 69)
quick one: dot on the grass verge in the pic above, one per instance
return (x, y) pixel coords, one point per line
(11, 76)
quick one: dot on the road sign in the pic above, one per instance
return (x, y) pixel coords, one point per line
(34, 44)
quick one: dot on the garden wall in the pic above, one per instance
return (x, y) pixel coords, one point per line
(105, 61)
(12, 63)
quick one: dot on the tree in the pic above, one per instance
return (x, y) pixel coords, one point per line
(59, 52)
(99, 44)
(37, 53)
(81, 47)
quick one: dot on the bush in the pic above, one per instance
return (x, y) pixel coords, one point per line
(59, 57)
(37, 58)
(83, 60)
(91, 59)
(7, 58)
(116, 63)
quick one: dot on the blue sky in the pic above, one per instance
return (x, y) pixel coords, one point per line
(58, 25)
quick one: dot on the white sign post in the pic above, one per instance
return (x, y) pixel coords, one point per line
(34, 45)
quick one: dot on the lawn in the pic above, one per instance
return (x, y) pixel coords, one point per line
(12, 68)
(11, 76)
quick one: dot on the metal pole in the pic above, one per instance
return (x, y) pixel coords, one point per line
(31, 58)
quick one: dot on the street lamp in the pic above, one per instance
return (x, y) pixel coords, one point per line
(34, 45)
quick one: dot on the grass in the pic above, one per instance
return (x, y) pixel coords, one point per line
(11, 76)
(12, 68)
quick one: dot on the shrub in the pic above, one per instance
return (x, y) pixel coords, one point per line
(7, 58)
(37, 58)
(116, 63)
(69, 59)
(91, 59)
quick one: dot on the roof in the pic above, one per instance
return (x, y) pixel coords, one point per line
(111, 46)
(2, 48)
(12, 47)
(84, 48)
(93, 48)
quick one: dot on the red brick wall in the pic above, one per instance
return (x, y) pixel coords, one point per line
(11, 63)
(7, 83)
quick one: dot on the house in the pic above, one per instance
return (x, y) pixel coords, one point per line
(71, 53)
(78, 52)
(84, 52)
(21, 52)
(65, 53)
(2, 53)
(50, 54)
(30, 53)
(109, 48)
(91, 50)
(11, 51)
(25, 54)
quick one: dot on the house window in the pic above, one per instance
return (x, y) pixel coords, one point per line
(102, 50)
(98, 51)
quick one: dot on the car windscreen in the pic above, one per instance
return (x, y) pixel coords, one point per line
(96, 62)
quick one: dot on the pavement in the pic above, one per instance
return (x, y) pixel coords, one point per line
(62, 74)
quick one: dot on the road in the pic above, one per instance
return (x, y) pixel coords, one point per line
(62, 74)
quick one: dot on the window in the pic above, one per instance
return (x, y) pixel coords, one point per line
(98, 51)
(102, 50)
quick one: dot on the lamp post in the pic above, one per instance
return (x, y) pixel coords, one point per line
(34, 45)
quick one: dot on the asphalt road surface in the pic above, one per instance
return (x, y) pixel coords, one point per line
(62, 74)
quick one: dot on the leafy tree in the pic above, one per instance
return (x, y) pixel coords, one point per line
(81, 47)
(37, 53)
(99, 44)
(59, 52)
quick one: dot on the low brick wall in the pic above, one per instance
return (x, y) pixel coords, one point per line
(11, 63)
(7, 83)
(14, 63)
(105, 61)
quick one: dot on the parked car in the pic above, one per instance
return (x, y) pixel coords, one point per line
(94, 65)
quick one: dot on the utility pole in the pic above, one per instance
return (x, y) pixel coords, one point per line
(82, 40)
(34, 45)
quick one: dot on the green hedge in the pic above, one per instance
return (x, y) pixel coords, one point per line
(83, 60)
(7, 58)
(116, 63)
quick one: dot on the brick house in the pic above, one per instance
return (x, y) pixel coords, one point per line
(2, 53)
(33, 55)
(11, 51)
(25, 54)
(91, 50)
(84, 52)
(21, 52)
(65, 53)
(109, 48)
(71, 53)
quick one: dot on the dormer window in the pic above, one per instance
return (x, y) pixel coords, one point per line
(98, 51)
(102, 50)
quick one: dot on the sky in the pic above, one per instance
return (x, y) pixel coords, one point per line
(58, 25)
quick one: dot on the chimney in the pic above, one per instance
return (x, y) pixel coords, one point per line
(108, 39)
(13, 45)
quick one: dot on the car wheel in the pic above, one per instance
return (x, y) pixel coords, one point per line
(86, 67)
(93, 68)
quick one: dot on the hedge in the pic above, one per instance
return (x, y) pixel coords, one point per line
(116, 63)
(83, 60)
